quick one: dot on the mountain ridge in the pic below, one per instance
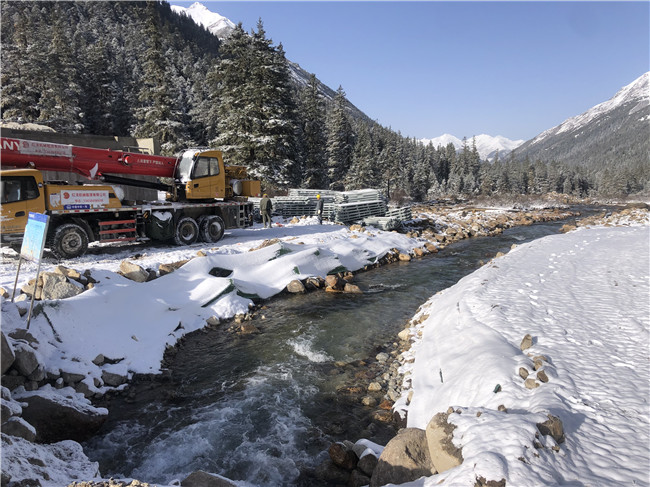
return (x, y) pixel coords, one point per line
(487, 145)
(614, 130)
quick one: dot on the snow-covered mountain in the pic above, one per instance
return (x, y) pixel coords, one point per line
(221, 27)
(611, 132)
(486, 145)
(217, 24)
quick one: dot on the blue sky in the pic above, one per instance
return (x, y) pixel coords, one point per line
(426, 68)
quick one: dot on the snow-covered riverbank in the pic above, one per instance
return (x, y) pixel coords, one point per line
(149, 316)
(584, 299)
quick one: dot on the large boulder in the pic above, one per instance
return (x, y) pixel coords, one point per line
(57, 286)
(133, 271)
(296, 287)
(60, 414)
(27, 359)
(52, 285)
(404, 459)
(16, 426)
(7, 355)
(439, 434)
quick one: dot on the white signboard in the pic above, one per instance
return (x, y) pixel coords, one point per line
(34, 147)
(83, 199)
(34, 237)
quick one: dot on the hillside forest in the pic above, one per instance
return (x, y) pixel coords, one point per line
(137, 68)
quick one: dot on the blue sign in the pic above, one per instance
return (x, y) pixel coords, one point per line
(34, 238)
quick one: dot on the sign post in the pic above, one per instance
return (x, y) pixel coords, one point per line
(32, 249)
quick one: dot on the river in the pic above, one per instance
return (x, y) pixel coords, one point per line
(264, 408)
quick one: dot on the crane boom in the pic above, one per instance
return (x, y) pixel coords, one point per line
(88, 162)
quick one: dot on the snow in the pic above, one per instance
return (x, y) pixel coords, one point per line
(638, 90)
(583, 296)
(216, 24)
(486, 145)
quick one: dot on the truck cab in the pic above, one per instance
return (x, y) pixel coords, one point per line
(21, 191)
(202, 174)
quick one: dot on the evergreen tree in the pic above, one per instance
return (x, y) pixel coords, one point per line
(340, 142)
(362, 171)
(314, 136)
(22, 75)
(60, 104)
(257, 120)
(160, 114)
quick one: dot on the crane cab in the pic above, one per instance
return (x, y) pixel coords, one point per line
(202, 174)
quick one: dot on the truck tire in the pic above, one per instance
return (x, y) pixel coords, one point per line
(69, 241)
(211, 228)
(187, 231)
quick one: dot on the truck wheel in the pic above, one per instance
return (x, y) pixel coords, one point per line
(212, 228)
(70, 240)
(187, 231)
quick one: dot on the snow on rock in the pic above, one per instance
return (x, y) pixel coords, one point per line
(52, 465)
(584, 299)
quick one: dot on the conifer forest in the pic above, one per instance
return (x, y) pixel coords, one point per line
(139, 69)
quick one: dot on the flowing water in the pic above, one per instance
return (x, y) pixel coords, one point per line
(264, 408)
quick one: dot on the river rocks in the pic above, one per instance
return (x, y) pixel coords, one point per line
(296, 287)
(526, 342)
(553, 427)
(334, 283)
(26, 360)
(405, 458)
(7, 355)
(164, 269)
(134, 272)
(114, 379)
(16, 426)
(60, 414)
(352, 288)
(343, 455)
(439, 433)
(203, 479)
(52, 285)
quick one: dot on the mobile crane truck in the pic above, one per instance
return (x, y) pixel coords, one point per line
(204, 197)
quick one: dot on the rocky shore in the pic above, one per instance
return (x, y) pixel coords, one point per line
(413, 453)
(23, 368)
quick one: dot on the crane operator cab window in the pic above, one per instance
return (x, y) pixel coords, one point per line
(18, 188)
(193, 167)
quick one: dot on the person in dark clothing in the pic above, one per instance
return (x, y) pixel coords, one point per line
(319, 209)
(265, 209)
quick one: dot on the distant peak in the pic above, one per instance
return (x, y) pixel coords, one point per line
(217, 24)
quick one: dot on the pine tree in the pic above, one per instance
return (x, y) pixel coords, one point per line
(159, 114)
(340, 142)
(21, 76)
(257, 119)
(60, 104)
(362, 172)
(314, 136)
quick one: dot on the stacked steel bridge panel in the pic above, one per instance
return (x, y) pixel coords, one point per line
(339, 206)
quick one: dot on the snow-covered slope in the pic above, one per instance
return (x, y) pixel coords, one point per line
(215, 23)
(611, 132)
(486, 145)
(636, 96)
